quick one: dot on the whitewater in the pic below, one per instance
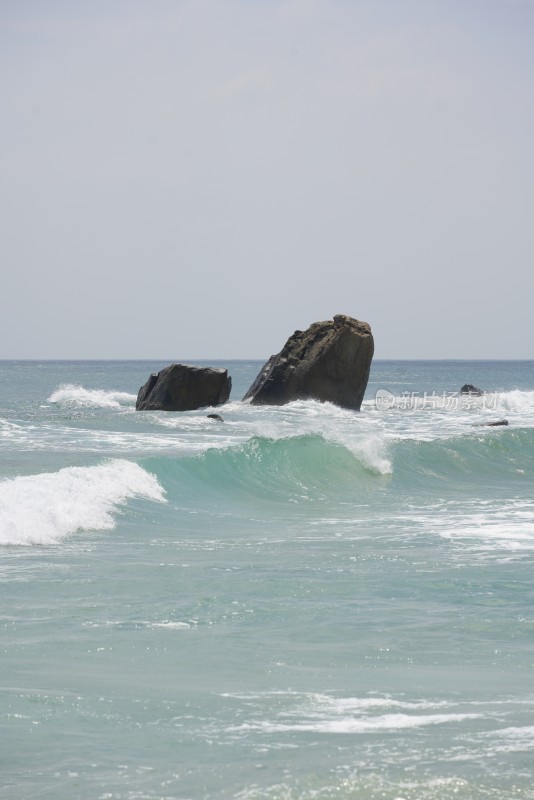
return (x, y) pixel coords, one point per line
(299, 602)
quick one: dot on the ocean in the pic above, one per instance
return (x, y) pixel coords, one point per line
(297, 602)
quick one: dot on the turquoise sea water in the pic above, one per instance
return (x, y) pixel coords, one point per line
(300, 602)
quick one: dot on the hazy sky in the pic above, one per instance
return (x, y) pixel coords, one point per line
(199, 178)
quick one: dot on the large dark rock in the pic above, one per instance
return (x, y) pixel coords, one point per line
(330, 361)
(181, 387)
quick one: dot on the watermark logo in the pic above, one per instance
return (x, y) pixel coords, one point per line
(384, 400)
(444, 401)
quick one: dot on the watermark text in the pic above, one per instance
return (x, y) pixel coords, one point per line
(443, 401)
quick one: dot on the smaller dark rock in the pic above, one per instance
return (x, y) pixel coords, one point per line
(494, 424)
(468, 388)
(216, 417)
(182, 387)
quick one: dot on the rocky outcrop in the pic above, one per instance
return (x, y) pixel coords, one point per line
(181, 387)
(330, 362)
(468, 388)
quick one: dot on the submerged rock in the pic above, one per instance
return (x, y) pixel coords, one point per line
(330, 362)
(180, 387)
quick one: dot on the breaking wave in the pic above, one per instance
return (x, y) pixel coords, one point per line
(78, 396)
(43, 509)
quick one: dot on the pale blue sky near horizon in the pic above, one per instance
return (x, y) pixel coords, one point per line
(202, 177)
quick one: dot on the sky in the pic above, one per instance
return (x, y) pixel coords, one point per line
(196, 179)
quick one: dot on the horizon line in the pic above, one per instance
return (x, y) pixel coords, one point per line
(241, 359)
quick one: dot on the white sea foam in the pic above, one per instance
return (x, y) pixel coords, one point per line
(505, 525)
(516, 400)
(8, 430)
(71, 395)
(178, 626)
(385, 722)
(372, 451)
(526, 732)
(43, 509)
(517, 739)
(323, 713)
(358, 704)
